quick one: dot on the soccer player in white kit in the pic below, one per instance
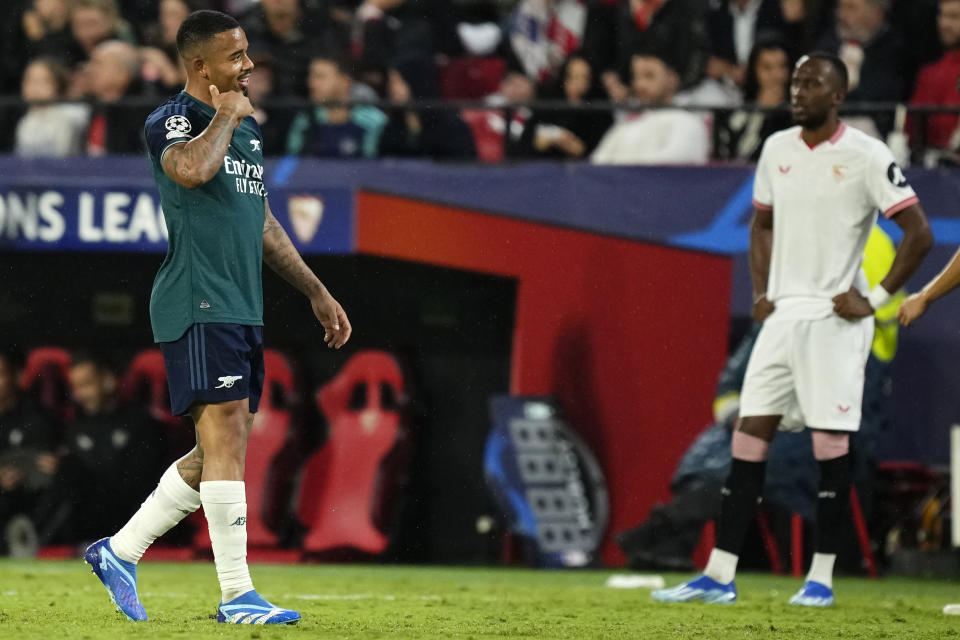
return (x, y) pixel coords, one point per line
(817, 191)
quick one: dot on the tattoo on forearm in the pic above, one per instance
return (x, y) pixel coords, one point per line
(197, 161)
(280, 255)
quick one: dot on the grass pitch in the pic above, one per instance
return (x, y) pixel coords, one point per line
(63, 600)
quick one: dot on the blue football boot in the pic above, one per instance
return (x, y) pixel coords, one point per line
(250, 608)
(813, 594)
(701, 589)
(118, 576)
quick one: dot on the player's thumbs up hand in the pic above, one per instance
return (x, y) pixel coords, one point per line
(232, 102)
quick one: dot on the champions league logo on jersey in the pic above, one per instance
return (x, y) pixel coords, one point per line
(249, 176)
(177, 127)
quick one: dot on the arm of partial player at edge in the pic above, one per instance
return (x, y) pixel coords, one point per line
(761, 245)
(283, 258)
(916, 243)
(944, 282)
(194, 163)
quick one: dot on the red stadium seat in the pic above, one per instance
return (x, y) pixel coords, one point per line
(469, 78)
(341, 482)
(270, 428)
(147, 372)
(45, 375)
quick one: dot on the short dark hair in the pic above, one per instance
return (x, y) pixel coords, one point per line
(200, 26)
(61, 76)
(666, 61)
(94, 358)
(764, 42)
(343, 64)
(838, 67)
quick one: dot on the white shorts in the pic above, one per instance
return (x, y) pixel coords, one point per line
(814, 365)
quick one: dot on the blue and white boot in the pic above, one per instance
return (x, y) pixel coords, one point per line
(703, 589)
(118, 576)
(813, 594)
(250, 608)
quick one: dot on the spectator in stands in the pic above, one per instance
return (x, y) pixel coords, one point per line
(565, 133)
(27, 445)
(112, 455)
(290, 34)
(734, 27)
(49, 129)
(437, 133)
(674, 30)
(161, 61)
(46, 31)
(407, 34)
(112, 74)
(331, 130)
(937, 83)
(93, 22)
(515, 88)
(657, 136)
(811, 20)
(739, 135)
(873, 53)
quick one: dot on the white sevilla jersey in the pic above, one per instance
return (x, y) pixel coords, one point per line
(824, 200)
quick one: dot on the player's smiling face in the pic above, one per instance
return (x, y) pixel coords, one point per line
(813, 92)
(226, 62)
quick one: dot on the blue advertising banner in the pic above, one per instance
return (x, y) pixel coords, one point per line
(112, 205)
(100, 203)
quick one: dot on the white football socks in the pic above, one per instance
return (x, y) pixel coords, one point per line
(722, 566)
(225, 505)
(821, 569)
(170, 502)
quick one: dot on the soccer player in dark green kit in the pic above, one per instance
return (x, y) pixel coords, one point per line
(206, 310)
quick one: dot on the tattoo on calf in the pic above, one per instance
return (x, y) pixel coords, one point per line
(190, 467)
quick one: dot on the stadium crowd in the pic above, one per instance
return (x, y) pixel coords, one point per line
(349, 78)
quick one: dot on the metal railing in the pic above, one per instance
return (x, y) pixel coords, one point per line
(11, 107)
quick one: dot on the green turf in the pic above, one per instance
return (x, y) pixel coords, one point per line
(59, 600)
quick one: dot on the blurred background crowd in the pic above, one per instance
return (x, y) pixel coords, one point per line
(487, 79)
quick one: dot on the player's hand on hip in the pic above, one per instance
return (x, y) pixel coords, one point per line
(852, 305)
(336, 325)
(762, 308)
(912, 308)
(231, 102)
